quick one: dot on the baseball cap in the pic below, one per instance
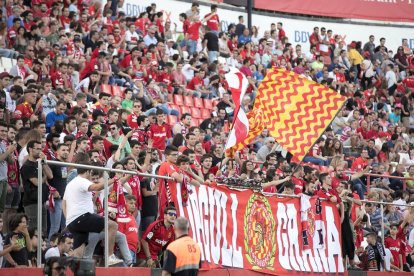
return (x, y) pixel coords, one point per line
(5, 75)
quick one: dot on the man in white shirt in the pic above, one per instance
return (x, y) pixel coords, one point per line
(15, 92)
(79, 213)
(131, 37)
(64, 247)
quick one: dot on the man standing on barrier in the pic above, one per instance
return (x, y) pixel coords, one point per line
(183, 256)
(79, 213)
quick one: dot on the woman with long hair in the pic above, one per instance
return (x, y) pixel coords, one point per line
(20, 42)
(338, 148)
(247, 170)
(255, 35)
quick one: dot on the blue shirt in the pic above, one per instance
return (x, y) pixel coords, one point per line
(52, 117)
(244, 39)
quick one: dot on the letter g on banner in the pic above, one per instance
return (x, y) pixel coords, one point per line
(259, 233)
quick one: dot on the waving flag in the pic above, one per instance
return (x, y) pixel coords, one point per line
(255, 129)
(296, 110)
(238, 84)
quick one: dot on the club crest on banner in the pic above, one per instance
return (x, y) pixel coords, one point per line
(259, 233)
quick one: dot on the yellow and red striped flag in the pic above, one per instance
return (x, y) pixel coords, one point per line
(256, 127)
(296, 110)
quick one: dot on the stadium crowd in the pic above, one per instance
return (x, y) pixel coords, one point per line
(93, 86)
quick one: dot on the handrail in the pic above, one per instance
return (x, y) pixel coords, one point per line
(63, 164)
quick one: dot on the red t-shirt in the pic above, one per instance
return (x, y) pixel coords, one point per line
(359, 164)
(193, 30)
(328, 194)
(299, 184)
(336, 181)
(132, 120)
(166, 169)
(193, 83)
(135, 185)
(130, 230)
(394, 245)
(140, 135)
(159, 134)
(23, 110)
(213, 22)
(158, 237)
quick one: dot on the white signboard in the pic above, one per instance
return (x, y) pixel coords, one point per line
(298, 31)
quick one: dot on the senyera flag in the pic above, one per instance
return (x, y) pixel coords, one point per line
(238, 84)
(296, 110)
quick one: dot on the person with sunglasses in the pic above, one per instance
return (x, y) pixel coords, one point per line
(156, 238)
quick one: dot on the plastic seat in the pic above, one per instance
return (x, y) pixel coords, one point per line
(208, 104)
(194, 122)
(185, 109)
(178, 99)
(205, 113)
(172, 120)
(198, 102)
(106, 88)
(196, 113)
(118, 91)
(188, 101)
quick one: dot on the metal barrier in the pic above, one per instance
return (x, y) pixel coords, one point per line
(63, 164)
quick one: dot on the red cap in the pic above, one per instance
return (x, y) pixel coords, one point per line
(154, 63)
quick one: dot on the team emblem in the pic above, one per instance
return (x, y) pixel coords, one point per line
(259, 233)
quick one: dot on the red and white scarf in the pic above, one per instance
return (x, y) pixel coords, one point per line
(116, 202)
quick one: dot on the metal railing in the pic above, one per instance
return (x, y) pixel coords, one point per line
(74, 165)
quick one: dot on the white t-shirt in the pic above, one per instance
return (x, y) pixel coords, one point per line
(78, 199)
(188, 72)
(23, 153)
(387, 259)
(391, 78)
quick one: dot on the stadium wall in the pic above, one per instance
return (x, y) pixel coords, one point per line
(298, 30)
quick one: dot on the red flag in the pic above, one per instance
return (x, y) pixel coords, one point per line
(238, 84)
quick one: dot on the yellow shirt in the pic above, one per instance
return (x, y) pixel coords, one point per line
(355, 57)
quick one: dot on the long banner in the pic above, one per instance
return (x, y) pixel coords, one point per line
(244, 229)
(384, 10)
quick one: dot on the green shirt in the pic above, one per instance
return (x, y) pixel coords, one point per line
(410, 183)
(127, 104)
(125, 151)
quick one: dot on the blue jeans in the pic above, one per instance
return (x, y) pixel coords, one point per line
(316, 161)
(120, 240)
(212, 56)
(134, 256)
(57, 220)
(359, 187)
(150, 111)
(191, 46)
(167, 110)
